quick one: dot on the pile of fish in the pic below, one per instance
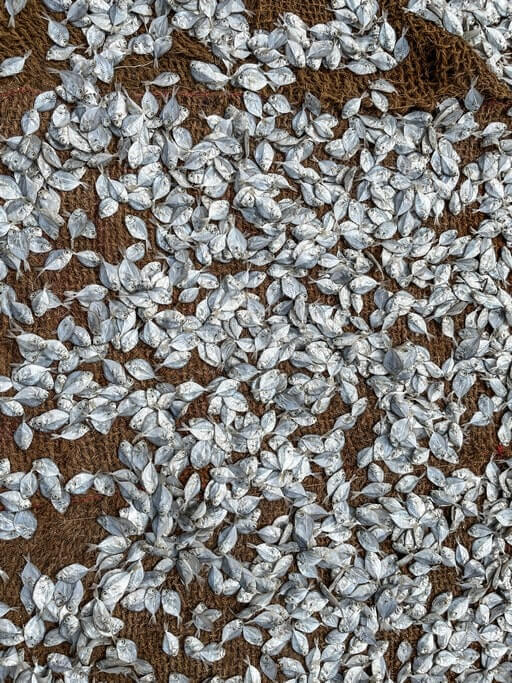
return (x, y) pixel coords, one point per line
(284, 248)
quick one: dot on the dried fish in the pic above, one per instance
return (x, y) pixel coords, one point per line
(326, 227)
(13, 65)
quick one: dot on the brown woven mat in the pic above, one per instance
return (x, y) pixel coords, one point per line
(439, 65)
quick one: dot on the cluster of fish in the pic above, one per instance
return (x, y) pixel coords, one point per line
(18, 488)
(304, 207)
(358, 38)
(58, 615)
(486, 25)
(367, 595)
(135, 305)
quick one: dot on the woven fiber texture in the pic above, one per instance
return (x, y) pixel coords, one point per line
(440, 65)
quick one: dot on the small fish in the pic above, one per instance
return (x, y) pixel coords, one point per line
(13, 65)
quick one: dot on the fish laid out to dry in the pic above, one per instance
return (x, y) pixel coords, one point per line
(279, 249)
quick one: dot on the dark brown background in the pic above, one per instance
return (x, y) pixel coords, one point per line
(439, 66)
